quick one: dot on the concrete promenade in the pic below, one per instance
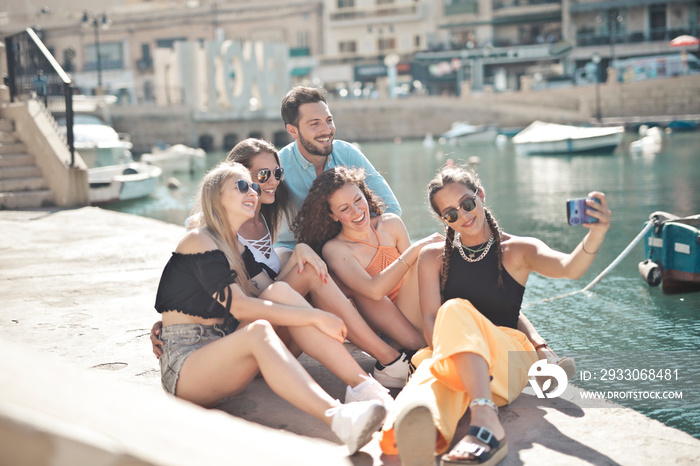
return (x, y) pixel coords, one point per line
(79, 384)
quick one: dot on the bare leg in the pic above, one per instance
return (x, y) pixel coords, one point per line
(326, 350)
(384, 316)
(330, 298)
(407, 301)
(474, 374)
(226, 366)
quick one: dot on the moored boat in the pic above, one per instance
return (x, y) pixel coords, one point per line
(98, 144)
(177, 158)
(672, 251)
(551, 138)
(462, 132)
(122, 182)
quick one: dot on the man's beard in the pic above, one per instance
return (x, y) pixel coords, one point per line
(312, 149)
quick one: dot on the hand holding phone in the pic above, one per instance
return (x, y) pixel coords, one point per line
(576, 211)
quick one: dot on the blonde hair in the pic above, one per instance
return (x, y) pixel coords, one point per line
(210, 215)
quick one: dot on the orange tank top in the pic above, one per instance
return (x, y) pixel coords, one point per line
(384, 257)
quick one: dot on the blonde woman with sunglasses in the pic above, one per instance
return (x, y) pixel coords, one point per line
(218, 334)
(481, 348)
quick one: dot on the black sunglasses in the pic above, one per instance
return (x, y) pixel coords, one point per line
(243, 187)
(467, 205)
(264, 174)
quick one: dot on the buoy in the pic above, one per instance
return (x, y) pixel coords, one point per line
(650, 272)
(429, 141)
(173, 183)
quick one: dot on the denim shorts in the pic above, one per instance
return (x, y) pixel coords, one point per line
(181, 340)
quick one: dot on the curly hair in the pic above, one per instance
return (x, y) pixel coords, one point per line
(313, 224)
(243, 153)
(456, 174)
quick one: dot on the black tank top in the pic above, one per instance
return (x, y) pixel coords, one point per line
(478, 283)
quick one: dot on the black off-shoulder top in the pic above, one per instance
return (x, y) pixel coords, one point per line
(192, 283)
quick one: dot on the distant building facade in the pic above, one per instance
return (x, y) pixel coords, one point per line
(348, 46)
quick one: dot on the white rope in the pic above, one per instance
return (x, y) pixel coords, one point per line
(612, 265)
(622, 255)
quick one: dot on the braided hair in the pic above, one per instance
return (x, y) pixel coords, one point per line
(456, 174)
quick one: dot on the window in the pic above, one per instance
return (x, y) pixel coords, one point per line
(346, 3)
(349, 46)
(657, 22)
(302, 39)
(386, 44)
(168, 43)
(111, 56)
(384, 2)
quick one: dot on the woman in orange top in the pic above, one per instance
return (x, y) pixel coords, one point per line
(368, 252)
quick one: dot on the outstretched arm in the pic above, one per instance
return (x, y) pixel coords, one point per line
(554, 264)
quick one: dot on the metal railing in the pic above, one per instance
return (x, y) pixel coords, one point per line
(33, 72)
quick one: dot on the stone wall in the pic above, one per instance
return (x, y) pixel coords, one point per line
(414, 117)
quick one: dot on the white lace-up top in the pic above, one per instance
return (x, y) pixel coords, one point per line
(262, 249)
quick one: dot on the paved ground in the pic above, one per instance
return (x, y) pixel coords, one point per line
(79, 285)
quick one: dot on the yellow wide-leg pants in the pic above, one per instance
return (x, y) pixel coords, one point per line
(460, 328)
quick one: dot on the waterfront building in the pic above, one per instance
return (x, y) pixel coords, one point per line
(354, 48)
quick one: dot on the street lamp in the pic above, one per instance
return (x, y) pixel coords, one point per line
(390, 61)
(96, 22)
(595, 58)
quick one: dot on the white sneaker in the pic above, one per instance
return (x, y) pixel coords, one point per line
(367, 390)
(393, 375)
(354, 423)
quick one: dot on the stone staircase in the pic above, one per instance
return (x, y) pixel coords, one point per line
(22, 185)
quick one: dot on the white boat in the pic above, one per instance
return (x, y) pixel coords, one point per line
(177, 158)
(462, 132)
(122, 182)
(98, 143)
(552, 138)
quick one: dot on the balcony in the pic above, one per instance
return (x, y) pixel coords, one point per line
(585, 38)
(504, 4)
(144, 64)
(392, 12)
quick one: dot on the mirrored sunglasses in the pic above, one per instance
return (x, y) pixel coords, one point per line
(264, 174)
(243, 187)
(466, 205)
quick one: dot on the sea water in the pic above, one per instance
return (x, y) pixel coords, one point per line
(620, 316)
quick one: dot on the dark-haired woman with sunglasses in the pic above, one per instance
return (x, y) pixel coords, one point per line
(218, 333)
(481, 346)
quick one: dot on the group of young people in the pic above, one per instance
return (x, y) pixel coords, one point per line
(299, 250)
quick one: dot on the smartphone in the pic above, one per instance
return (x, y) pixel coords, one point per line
(576, 211)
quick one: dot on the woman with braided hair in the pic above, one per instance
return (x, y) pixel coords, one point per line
(481, 346)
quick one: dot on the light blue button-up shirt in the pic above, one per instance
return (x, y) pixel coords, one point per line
(299, 174)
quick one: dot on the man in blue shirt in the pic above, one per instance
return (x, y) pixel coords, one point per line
(309, 121)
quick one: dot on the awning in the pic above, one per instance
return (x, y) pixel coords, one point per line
(302, 71)
(598, 6)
